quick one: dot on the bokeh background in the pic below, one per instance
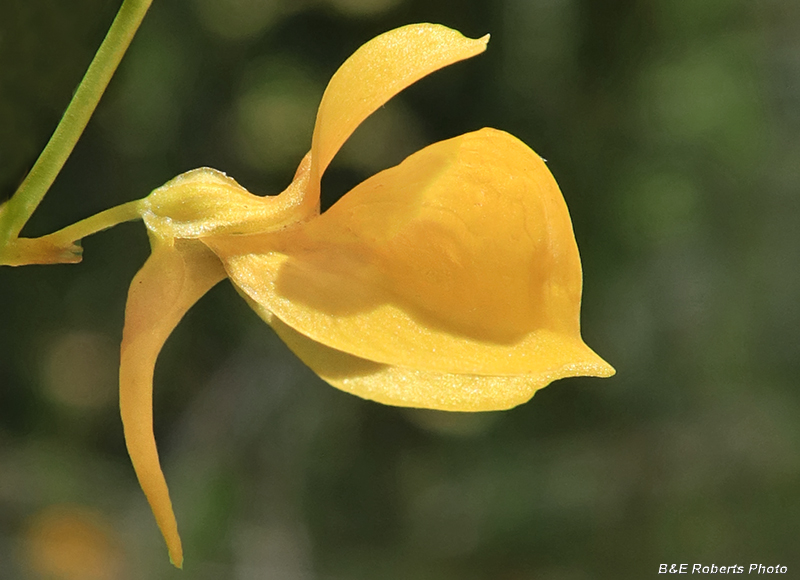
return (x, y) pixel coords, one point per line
(673, 128)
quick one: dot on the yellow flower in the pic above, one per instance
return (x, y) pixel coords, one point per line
(451, 281)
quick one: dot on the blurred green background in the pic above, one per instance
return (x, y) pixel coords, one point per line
(673, 128)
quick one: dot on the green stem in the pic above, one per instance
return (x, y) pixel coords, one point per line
(18, 210)
(62, 247)
(96, 223)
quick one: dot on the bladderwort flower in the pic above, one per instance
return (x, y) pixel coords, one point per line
(451, 281)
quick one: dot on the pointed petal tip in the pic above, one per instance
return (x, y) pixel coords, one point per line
(596, 367)
(608, 371)
(176, 557)
(592, 366)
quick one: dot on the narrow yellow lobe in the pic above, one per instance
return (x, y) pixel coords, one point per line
(174, 277)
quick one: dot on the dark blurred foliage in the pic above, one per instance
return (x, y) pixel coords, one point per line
(673, 127)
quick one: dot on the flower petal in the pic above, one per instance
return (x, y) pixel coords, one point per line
(174, 277)
(375, 73)
(408, 387)
(461, 260)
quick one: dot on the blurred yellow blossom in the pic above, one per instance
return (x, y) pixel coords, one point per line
(70, 542)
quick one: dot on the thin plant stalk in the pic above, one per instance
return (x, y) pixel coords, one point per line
(63, 246)
(18, 210)
(101, 221)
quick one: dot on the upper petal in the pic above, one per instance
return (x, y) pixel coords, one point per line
(376, 72)
(459, 260)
